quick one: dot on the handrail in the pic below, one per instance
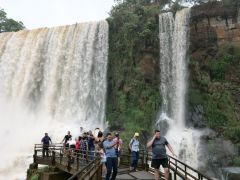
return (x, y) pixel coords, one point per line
(177, 167)
(89, 168)
(188, 167)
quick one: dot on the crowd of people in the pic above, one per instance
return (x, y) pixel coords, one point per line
(109, 148)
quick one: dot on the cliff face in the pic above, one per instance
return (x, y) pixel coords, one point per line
(213, 25)
(214, 88)
(214, 92)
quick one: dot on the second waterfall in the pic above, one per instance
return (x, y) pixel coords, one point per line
(174, 43)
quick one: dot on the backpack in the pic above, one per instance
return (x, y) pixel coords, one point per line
(129, 149)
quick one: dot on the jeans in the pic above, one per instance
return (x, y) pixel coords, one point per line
(45, 150)
(135, 157)
(111, 163)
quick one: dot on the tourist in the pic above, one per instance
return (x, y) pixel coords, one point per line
(66, 139)
(134, 148)
(102, 154)
(77, 147)
(159, 155)
(91, 146)
(72, 147)
(109, 147)
(84, 146)
(98, 135)
(118, 147)
(46, 140)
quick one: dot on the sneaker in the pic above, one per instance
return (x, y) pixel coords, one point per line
(133, 170)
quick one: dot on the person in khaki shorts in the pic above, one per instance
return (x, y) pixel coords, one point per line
(159, 155)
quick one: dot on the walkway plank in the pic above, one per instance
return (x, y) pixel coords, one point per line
(142, 175)
(124, 176)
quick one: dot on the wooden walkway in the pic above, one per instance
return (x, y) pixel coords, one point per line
(124, 173)
(80, 166)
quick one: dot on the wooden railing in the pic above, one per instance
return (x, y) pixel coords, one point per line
(83, 166)
(79, 164)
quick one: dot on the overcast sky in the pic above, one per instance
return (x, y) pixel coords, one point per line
(48, 13)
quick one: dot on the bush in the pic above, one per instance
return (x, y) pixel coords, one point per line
(236, 161)
(219, 67)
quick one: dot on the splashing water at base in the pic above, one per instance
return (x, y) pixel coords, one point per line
(52, 80)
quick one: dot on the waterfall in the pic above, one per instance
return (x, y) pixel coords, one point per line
(52, 80)
(173, 35)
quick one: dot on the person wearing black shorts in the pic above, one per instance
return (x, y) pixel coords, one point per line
(66, 139)
(159, 155)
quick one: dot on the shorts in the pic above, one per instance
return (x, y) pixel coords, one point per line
(118, 153)
(157, 162)
(103, 160)
(72, 146)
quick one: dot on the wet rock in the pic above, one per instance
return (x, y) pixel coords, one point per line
(215, 153)
(195, 117)
(231, 173)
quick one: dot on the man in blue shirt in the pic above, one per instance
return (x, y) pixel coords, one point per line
(112, 161)
(46, 141)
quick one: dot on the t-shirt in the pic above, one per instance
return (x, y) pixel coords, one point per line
(134, 144)
(77, 144)
(66, 138)
(46, 140)
(158, 148)
(83, 145)
(110, 152)
(91, 143)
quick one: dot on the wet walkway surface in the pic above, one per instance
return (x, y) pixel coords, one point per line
(124, 174)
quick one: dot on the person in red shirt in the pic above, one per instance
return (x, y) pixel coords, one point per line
(77, 146)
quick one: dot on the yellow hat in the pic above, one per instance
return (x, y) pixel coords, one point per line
(136, 134)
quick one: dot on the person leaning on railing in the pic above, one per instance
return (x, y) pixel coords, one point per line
(159, 155)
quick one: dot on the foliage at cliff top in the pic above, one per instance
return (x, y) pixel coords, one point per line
(8, 24)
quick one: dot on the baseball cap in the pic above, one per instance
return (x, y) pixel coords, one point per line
(136, 134)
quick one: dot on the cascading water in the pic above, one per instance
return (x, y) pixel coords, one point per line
(51, 80)
(173, 35)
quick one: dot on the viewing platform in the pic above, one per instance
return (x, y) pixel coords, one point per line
(81, 166)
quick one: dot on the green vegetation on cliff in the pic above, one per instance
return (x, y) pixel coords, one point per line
(215, 84)
(133, 70)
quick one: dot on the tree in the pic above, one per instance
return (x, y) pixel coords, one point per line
(9, 25)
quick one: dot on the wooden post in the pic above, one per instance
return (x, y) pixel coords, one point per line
(53, 157)
(146, 162)
(142, 159)
(170, 176)
(77, 159)
(35, 156)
